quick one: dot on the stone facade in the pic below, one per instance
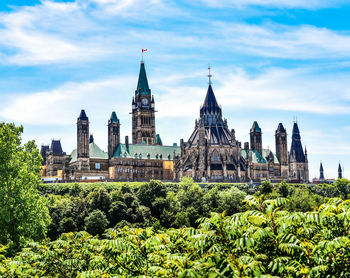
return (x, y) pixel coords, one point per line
(213, 154)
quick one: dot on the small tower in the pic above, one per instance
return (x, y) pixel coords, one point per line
(83, 141)
(340, 172)
(281, 144)
(321, 173)
(43, 151)
(281, 149)
(256, 137)
(143, 112)
(113, 134)
(298, 163)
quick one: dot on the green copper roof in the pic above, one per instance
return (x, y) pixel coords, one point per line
(158, 140)
(258, 158)
(114, 117)
(266, 152)
(94, 152)
(143, 151)
(255, 127)
(142, 84)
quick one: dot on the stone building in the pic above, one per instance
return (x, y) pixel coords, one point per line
(146, 158)
(212, 152)
(55, 161)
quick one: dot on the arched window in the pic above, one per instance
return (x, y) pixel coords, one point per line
(215, 156)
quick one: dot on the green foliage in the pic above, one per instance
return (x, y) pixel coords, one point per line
(230, 200)
(23, 213)
(263, 241)
(96, 222)
(343, 187)
(283, 189)
(265, 187)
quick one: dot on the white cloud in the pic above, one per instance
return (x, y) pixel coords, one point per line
(78, 32)
(61, 106)
(310, 4)
(281, 41)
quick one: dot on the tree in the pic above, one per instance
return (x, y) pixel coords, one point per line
(283, 189)
(231, 200)
(96, 222)
(99, 199)
(265, 187)
(23, 212)
(343, 186)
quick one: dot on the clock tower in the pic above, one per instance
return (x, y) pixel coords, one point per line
(143, 113)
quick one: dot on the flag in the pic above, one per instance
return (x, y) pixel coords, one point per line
(143, 50)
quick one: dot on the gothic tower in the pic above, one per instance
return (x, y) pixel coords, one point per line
(113, 134)
(321, 173)
(83, 141)
(256, 138)
(281, 149)
(298, 163)
(340, 172)
(143, 113)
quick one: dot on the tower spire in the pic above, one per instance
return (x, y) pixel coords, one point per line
(209, 74)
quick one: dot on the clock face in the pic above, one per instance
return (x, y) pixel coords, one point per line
(144, 101)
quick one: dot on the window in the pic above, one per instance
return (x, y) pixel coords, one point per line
(97, 166)
(215, 156)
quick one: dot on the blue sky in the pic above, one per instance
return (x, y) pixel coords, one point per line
(271, 61)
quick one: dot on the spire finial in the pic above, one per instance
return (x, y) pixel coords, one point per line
(209, 75)
(143, 50)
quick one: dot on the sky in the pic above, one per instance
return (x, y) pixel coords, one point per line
(272, 61)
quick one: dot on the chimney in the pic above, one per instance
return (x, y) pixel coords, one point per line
(182, 146)
(246, 146)
(127, 142)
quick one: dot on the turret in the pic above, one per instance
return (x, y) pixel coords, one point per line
(83, 135)
(321, 173)
(298, 162)
(281, 144)
(256, 138)
(113, 134)
(340, 172)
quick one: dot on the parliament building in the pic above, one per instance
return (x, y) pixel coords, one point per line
(211, 154)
